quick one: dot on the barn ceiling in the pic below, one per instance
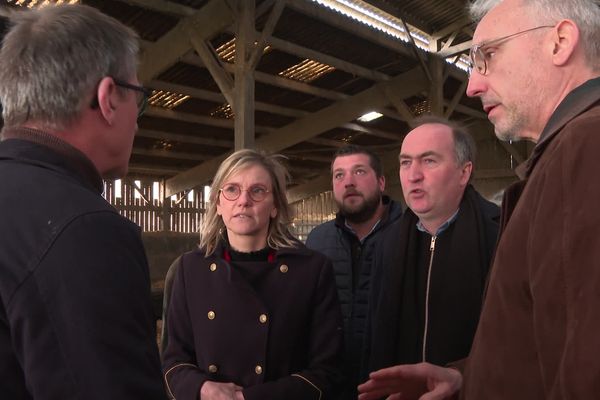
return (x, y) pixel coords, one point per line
(291, 77)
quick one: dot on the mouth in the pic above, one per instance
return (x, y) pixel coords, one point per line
(241, 216)
(352, 194)
(487, 108)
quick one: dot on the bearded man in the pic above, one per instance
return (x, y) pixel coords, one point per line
(349, 241)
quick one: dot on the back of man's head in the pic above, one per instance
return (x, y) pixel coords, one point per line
(52, 59)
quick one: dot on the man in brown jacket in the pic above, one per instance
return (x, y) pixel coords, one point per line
(536, 68)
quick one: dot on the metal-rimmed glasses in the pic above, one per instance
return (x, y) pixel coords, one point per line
(142, 94)
(233, 191)
(479, 55)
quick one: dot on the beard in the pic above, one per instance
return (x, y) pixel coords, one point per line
(510, 129)
(361, 212)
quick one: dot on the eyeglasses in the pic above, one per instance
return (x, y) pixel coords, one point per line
(233, 191)
(480, 57)
(141, 92)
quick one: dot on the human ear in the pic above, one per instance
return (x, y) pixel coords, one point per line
(565, 40)
(466, 171)
(106, 92)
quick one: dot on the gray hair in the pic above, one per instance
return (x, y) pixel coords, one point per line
(585, 14)
(52, 59)
(464, 145)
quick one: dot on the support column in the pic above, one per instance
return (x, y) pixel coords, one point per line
(244, 106)
(436, 91)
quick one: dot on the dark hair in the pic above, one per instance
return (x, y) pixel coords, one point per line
(464, 145)
(374, 160)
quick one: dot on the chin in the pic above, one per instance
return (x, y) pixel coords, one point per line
(115, 173)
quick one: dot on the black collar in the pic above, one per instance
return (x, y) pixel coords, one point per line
(63, 154)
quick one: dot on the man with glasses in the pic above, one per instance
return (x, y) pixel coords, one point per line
(536, 69)
(76, 320)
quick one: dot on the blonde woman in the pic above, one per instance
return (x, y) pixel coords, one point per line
(253, 313)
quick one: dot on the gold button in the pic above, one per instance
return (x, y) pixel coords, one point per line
(262, 318)
(211, 315)
(213, 267)
(258, 370)
(212, 368)
(284, 268)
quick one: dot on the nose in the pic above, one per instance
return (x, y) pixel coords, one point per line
(349, 180)
(244, 200)
(414, 173)
(477, 85)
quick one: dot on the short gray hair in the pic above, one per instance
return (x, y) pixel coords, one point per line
(585, 14)
(52, 59)
(464, 145)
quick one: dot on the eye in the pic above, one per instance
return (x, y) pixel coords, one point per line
(230, 189)
(258, 190)
(429, 161)
(338, 175)
(360, 171)
(404, 163)
(488, 53)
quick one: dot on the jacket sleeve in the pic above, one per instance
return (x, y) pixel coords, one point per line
(183, 377)
(95, 289)
(322, 377)
(565, 274)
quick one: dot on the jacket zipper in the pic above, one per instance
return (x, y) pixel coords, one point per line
(432, 250)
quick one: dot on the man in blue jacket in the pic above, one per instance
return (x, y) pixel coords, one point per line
(75, 312)
(349, 241)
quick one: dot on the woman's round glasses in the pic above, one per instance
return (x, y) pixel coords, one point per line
(232, 191)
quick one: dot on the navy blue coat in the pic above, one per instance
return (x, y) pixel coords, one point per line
(278, 336)
(339, 244)
(75, 313)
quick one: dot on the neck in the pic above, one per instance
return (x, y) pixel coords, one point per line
(565, 84)
(362, 229)
(246, 244)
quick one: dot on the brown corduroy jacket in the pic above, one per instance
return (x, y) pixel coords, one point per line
(539, 332)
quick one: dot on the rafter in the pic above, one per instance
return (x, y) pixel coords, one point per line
(408, 84)
(209, 20)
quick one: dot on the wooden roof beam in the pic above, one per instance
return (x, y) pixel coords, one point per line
(409, 84)
(208, 21)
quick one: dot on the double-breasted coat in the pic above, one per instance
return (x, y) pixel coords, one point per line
(279, 336)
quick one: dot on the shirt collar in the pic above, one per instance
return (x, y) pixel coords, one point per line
(442, 227)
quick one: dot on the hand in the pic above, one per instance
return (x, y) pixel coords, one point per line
(220, 391)
(422, 381)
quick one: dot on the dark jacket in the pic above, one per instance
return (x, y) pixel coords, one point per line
(538, 334)
(348, 254)
(75, 314)
(278, 335)
(428, 291)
